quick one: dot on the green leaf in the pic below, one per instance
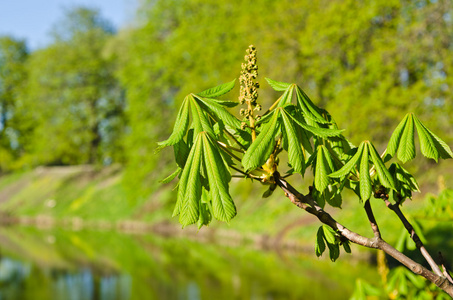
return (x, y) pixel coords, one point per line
(406, 149)
(181, 151)
(309, 110)
(431, 145)
(278, 86)
(172, 176)
(321, 132)
(405, 183)
(427, 146)
(190, 204)
(365, 179)
(347, 247)
(329, 234)
(218, 90)
(385, 178)
(180, 128)
(396, 137)
(218, 176)
(349, 165)
(205, 214)
(259, 151)
(295, 154)
(320, 245)
(221, 113)
(224, 102)
(322, 170)
(199, 119)
(189, 187)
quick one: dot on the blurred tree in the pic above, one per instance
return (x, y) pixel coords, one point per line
(357, 58)
(13, 55)
(77, 103)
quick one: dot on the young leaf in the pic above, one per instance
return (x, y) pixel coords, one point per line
(189, 187)
(172, 176)
(278, 86)
(323, 168)
(205, 215)
(181, 151)
(427, 146)
(349, 165)
(385, 178)
(218, 176)
(190, 210)
(218, 90)
(309, 110)
(181, 125)
(406, 149)
(396, 137)
(199, 118)
(365, 180)
(347, 247)
(295, 154)
(431, 145)
(321, 132)
(320, 245)
(220, 113)
(262, 147)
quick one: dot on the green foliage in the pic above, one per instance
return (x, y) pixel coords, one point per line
(73, 77)
(402, 141)
(327, 235)
(14, 127)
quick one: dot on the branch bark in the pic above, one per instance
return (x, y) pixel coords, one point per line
(418, 243)
(307, 203)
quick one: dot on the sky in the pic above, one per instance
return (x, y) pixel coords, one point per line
(32, 20)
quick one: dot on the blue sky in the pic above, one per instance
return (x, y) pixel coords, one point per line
(32, 19)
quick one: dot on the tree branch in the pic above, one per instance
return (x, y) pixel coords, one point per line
(373, 223)
(445, 271)
(418, 243)
(307, 203)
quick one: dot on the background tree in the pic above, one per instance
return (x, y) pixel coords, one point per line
(74, 78)
(13, 55)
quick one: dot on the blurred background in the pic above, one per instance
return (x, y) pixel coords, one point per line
(87, 89)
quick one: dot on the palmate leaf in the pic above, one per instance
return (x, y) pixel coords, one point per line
(278, 86)
(296, 156)
(189, 190)
(218, 175)
(309, 110)
(259, 151)
(181, 125)
(365, 179)
(218, 90)
(402, 141)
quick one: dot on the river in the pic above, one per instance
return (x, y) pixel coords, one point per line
(62, 264)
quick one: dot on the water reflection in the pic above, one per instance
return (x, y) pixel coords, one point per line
(108, 265)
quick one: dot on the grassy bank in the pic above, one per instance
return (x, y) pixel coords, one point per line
(87, 196)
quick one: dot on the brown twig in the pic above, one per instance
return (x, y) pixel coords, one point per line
(373, 223)
(445, 271)
(418, 243)
(307, 203)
